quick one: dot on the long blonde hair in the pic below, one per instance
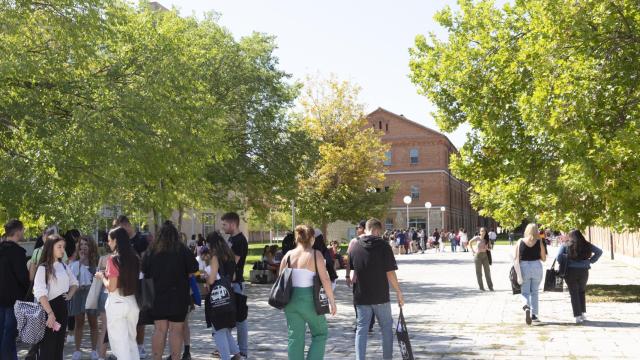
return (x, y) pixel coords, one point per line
(531, 234)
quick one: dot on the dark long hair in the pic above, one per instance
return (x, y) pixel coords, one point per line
(319, 244)
(168, 239)
(578, 248)
(127, 262)
(288, 243)
(48, 259)
(219, 247)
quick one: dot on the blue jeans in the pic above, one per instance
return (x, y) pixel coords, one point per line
(242, 330)
(8, 332)
(383, 313)
(225, 343)
(531, 278)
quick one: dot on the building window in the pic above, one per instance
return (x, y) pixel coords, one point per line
(387, 157)
(415, 192)
(386, 127)
(417, 223)
(380, 124)
(413, 154)
(388, 224)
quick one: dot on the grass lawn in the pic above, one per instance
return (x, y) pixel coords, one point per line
(613, 293)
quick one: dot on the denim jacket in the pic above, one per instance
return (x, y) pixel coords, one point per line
(580, 264)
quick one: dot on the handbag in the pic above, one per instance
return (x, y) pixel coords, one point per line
(31, 320)
(93, 295)
(320, 298)
(489, 257)
(553, 282)
(145, 295)
(280, 293)
(402, 334)
(220, 305)
(513, 278)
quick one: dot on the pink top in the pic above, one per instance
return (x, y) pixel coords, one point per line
(112, 270)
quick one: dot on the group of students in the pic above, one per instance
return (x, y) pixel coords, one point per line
(530, 252)
(61, 283)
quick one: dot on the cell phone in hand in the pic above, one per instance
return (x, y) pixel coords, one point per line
(56, 326)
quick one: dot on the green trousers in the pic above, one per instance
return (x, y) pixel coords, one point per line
(482, 261)
(301, 311)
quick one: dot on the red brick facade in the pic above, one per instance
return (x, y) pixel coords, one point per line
(419, 165)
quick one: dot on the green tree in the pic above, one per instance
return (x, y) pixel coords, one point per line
(102, 103)
(550, 89)
(346, 165)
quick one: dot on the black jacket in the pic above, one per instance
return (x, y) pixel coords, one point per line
(14, 276)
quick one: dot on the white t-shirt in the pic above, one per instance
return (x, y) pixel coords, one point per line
(492, 235)
(58, 285)
(82, 273)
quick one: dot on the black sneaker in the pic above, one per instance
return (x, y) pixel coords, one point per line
(527, 314)
(186, 356)
(535, 319)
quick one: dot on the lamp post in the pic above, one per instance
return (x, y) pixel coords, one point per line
(407, 201)
(428, 206)
(442, 209)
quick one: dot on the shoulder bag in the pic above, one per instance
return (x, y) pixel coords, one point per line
(320, 298)
(280, 293)
(220, 304)
(552, 281)
(31, 320)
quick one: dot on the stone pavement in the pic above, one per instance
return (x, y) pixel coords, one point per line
(449, 318)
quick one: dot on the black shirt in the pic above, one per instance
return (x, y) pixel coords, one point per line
(139, 243)
(14, 277)
(530, 253)
(240, 247)
(371, 258)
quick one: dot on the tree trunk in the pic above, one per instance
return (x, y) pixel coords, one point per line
(155, 221)
(323, 228)
(180, 214)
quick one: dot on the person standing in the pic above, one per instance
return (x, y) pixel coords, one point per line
(423, 245)
(14, 284)
(221, 264)
(84, 269)
(169, 263)
(301, 311)
(453, 240)
(492, 237)
(121, 280)
(531, 252)
(53, 286)
(436, 239)
(240, 248)
(481, 258)
(351, 279)
(580, 255)
(464, 240)
(373, 261)
(102, 300)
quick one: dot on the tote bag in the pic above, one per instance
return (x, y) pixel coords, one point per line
(552, 280)
(280, 293)
(93, 295)
(220, 305)
(402, 334)
(320, 298)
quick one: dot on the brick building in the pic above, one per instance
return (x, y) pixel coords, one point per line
(418, 163)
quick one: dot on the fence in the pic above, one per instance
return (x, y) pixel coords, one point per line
(626, 243)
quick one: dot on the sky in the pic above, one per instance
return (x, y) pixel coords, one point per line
(363, 41)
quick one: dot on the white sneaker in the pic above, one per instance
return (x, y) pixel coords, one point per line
(94, 355)
(77, 355)
(143, 354)
(579, 320)
(584, 316)
(71, 339)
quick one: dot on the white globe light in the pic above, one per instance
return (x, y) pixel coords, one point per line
(442, 209)
(427, 205)
(407, 199)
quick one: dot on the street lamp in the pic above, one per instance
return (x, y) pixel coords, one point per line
(407, 201)
(442, 209)
(428, 206)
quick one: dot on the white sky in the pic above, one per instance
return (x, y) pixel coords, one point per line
(363, 41)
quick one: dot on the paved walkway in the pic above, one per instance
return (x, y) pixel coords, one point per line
(449, 318)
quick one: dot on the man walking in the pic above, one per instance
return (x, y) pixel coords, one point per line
(14, 282)
(351, 279)
(240, 248)
(373, 261)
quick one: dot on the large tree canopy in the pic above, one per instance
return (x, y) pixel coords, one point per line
(551, 91)
(103, 103)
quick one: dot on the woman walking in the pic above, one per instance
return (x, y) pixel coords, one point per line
(84, 269)
(481, 257)
(580, 255)
(464, 240)
(53, 285)
(169, 263)
(221, 264)
(121, 280)
(530, 253)
(301, 310)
